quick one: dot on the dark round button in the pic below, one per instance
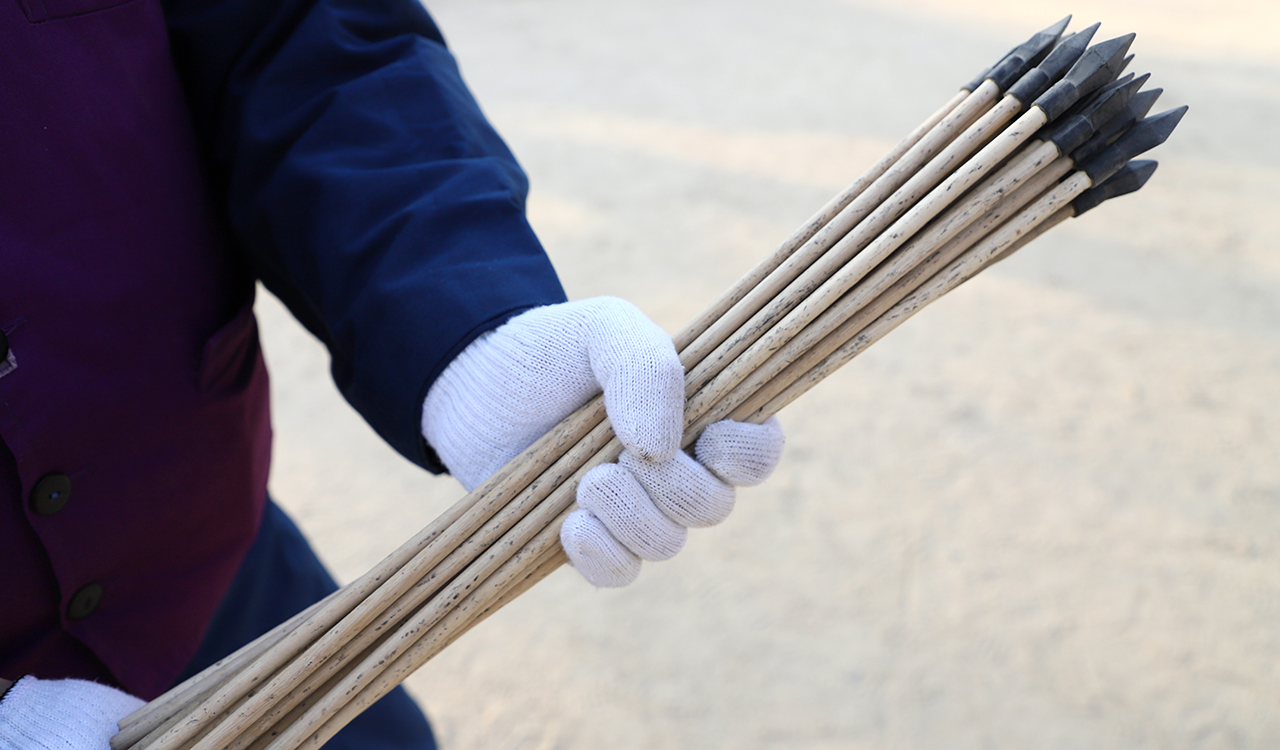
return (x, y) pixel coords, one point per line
(84, 602)
(51, 493)
(4, 346)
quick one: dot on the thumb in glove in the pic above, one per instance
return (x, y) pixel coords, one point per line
(511, 385)
(62, 715)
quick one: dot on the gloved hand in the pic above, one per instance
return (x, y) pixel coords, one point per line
(511, 385)
(62, 715)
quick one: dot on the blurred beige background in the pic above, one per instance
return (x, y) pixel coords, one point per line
(1044, 513)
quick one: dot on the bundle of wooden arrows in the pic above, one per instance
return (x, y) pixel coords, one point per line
(1045, 134)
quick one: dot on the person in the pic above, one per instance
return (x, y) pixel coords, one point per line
(162, 157)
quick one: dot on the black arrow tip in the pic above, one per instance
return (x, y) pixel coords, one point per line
(1064, 54)
(1098, 66)
(1043, 40)
(1093, 101)
(1115, 56)
(1162, 125)
(1091, 29)
(1143, 101)
(1134, 111)
(1143, 169)
(1128, 179)
(1112, 99)
(1047, 39)
(1054, 32)
(1125, 64)
(1087, 117)
(1117, 83)
(1018, 60)
(1142, 137)
(1069, 50)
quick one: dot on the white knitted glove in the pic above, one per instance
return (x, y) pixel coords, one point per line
(511, 385)
(639, 510)
(62, 715)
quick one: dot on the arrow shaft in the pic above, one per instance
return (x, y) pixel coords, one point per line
(941, 283)
(871, 298)
(763, 283)
(801, 303)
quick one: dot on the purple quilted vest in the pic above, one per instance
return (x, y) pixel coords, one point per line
(133, 397)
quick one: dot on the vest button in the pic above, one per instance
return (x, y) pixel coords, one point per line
(51, 493)
(84, 602)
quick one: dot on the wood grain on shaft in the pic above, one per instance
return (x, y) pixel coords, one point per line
(1011, 189)
(859, 308)
(417, 641)
(796, 267)
(485, 500)
(889, 222)
(1044, 209)
(181, 698)
(841, 280)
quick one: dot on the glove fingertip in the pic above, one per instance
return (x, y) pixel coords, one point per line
(741, 453)
(642, 377)
(595, 554)
(648, 413)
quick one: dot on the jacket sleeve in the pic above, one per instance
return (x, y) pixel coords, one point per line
(365, 186)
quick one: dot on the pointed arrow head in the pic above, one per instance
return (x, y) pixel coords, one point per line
(1064, 55)
(1128, 179)
(1117, 83)
(1088, 103)
(1080, 105)
(1142, 137)
(1110, 100)
(1143, 101)
(1124, 65)
(1045, 39)
(1123, 80)
(1075, 129)
(1135, 110)
(1020, 59)
(1067, 53)
(1098, 66)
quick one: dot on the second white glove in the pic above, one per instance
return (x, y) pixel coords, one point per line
(62, 715)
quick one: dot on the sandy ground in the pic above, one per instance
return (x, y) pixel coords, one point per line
(1045, 513)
